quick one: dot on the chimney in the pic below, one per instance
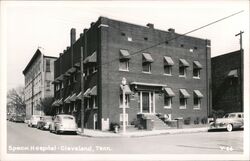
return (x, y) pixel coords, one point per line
(171, 30)
(72, 36)
(150, 25)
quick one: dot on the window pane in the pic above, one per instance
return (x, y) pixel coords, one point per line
(196, 72)
(146, 67)
(123, 65)
(47, 65)
(182, 71)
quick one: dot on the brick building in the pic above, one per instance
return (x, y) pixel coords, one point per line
(227, 84)
(172, 78)
(39, 74)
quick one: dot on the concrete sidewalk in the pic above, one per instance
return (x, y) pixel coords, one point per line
(138, 133)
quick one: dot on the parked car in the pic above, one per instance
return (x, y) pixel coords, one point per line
(17, 118)
(230, 122)
(33, 120)
(63, 123)
(44, 122)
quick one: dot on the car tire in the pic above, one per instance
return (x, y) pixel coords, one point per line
(229, 127)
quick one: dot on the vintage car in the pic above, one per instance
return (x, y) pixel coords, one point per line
(44, 122)
(63, 123)
(33, 120)
(230, 122)
(17, 117)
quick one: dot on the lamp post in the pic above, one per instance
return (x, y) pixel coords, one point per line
(124, 82)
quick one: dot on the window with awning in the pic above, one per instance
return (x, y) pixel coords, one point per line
(197, 65)
(67, 100)
(73, 97)
(60, 102)
(93, 91)
(79, 96)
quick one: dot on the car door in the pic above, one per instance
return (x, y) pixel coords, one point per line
(57, 122)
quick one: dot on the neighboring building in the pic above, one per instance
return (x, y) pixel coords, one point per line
(39, 74)
(227, 82)
(172, 78)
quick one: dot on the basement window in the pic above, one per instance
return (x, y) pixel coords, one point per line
(145, 38)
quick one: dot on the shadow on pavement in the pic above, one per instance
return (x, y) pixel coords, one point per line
(224, 130)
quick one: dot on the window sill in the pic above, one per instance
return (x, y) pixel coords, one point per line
(123, 70)
(125, 107)
(168, 74)
(167, 107)
(183, 76)
(196, 78)
(196, 108)
(95, 108)
(183, 107)
(146, 72)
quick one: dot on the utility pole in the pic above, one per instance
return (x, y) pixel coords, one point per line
(241, 69)
(82, 91)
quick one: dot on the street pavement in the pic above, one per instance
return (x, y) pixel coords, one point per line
(23, 139)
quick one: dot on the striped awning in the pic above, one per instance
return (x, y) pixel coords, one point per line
(168, 61)
(90, 59)
(55, 103)
(184, 63)
(147, 58)
(198, 94)
(79, 96)
(169, 92)
(67, 100)
(72, 97)
(184, 93)
(197, 65)
(93, 91)
(124, 54)
(60, 102)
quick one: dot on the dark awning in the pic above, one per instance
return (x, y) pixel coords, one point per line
(93, 91)
(126, 88)
(184, 93)
(77, 65)
(86, 93)
(184, 63)
(168, 61)
(169, 92)
(141, 86)
(147, 58)
(90, 59)
(124, 54)
(198, 94)
(233, 73)
(71, 70)
(55, 103)
(197, 65)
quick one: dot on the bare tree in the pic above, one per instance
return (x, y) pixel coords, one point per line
(15, 100)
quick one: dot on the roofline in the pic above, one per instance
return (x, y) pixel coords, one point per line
(53, 57)
(37, 53)
(226, 54)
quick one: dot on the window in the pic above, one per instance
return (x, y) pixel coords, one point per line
(197, 103)
(167, 69)
(126, 119)
(124, 64)
(74, 78)
(62, 85)
(126, 101)
(91, 70)
(47, 65)
(94, 69)
(146, 67)
(196, 73)
(95, 102)
(167, 101)
(182, 71)
(69, 81)
(183, 103)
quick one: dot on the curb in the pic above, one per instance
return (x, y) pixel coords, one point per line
(169, 132)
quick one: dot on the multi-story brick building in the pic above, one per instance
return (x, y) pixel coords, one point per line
(227, 85)
(172, 77)
(39, 74)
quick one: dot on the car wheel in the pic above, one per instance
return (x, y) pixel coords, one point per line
(229, 127)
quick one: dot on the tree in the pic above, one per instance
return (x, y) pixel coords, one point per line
(45, 105)
(15, 100)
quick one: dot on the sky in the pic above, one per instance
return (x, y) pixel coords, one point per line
(25, 26)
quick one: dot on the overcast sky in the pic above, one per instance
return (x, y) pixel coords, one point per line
(27, 25)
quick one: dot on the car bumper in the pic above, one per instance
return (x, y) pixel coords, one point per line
(67, 129)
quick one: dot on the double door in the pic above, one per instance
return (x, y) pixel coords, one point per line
(147, 102)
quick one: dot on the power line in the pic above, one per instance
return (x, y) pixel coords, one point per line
(181, 35)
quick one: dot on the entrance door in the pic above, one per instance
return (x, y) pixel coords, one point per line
(145, 102)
